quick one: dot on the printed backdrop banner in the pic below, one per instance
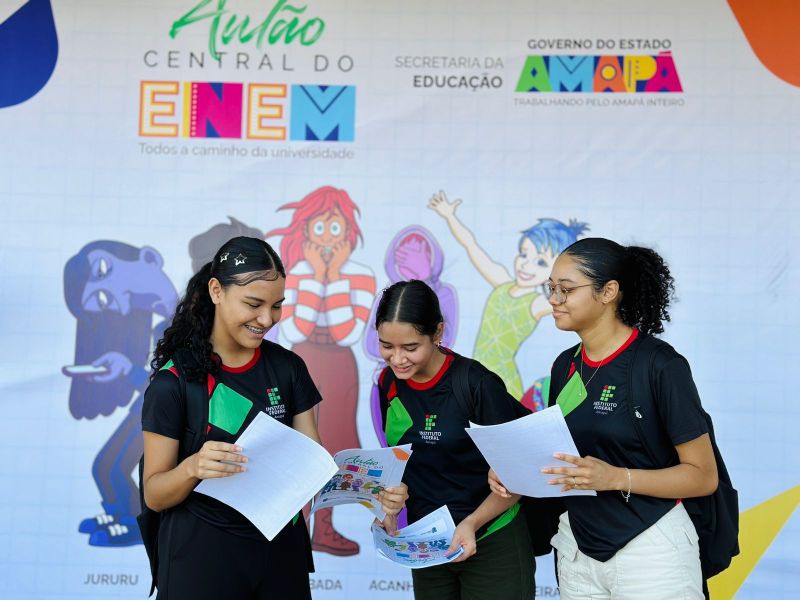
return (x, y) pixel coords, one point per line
(465, 144)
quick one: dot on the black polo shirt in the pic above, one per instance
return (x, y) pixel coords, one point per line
(602, 427)
(445, 467)
(281, 388)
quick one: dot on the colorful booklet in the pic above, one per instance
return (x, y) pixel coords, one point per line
(421, 544)
(362, 475)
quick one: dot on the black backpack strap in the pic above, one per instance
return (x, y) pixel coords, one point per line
(195, 395)
(385, 383)
(460, 380)
(641, 377)
(559, 374)
(715, 517)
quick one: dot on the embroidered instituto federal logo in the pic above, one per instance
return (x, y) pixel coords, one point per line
(429, 433)
(606, 404)
(275, 407)
(430, 422)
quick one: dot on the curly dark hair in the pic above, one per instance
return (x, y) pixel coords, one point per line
(241, 260)
(645, 283)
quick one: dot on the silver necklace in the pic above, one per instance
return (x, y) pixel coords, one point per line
(580, 369)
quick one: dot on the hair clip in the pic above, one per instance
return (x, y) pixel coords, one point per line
(223, 257)
(239, 260)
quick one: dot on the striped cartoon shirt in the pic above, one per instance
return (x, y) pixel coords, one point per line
(341, 306)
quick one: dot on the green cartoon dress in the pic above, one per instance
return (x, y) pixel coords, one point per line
(506, 323)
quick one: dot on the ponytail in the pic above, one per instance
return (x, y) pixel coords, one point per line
(647, 292)
(645, 283)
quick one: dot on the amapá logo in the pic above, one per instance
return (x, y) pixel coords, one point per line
(602, 73)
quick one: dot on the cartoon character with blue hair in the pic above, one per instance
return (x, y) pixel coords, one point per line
(517, 303)
(115, 291)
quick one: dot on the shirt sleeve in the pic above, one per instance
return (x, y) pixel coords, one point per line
(163, 411)
(304, 391)
(678, 402)
(493, 403)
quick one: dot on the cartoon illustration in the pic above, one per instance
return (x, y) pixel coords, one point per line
(517, 302)
(414, 253)
(328, 299)
(203, 246)
(114, 290)
(347, 481)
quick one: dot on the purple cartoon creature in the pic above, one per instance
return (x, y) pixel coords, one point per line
(116, 292)
(414, 253)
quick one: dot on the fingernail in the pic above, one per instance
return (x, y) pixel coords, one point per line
(245, 459)
(237, 448)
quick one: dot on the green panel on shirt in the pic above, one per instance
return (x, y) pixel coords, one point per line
(228, 409)
(572, 395)
(502, 520)
(398, 421)
(168, 364)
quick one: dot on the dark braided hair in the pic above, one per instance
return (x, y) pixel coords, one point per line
(239, 261)
(645, 283)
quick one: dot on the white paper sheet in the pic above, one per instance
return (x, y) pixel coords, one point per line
(285, 469)
(362, 475)
(421, 544)
(519, 449)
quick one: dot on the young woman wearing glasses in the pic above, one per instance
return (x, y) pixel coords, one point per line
(635, 538)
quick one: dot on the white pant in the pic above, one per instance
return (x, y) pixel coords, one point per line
(661, 563)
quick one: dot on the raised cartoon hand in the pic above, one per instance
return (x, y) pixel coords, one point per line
(117, 365)
(464, 536)
(442, 207)
(313, 254)
(393, 499)
(589, 473)
(412, 260)
(340, 252)
(214, 460)
(497, 486)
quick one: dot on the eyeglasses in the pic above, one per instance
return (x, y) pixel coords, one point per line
(560, 292)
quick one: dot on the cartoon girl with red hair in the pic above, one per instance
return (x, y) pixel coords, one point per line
(328, 301)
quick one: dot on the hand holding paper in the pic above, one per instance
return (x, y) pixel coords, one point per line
(518, 451)
(424, 543)
(284, 470)
(369, 477)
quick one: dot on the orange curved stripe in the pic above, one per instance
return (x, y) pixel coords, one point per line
(771, 28)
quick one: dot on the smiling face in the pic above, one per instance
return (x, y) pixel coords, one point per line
(583, 307)
(410, 354)
(244, 313)
(120, 286)
(532, 266)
